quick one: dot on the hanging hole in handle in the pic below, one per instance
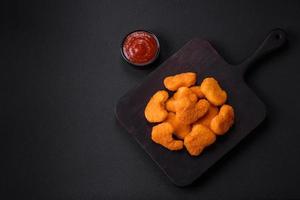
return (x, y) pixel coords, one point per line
(278, 36)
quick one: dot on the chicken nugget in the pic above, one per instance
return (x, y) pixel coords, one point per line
(162, 134)
(183, 104)
(171, 105)
(213, 92)
(155, 110)
(184, 97)
(186, 92)
(206, 119)
(199, 138)
(181, 130)
(187, 79)
(191, 113)
(197, 90)
(221, 123)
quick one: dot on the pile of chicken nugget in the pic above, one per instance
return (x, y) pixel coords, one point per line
(192, 117)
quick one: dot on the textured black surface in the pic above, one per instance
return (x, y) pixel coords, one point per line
(200, 57)
(62, 75)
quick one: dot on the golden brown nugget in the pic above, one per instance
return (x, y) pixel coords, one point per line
(180, 129)
(199, 138)
(213, 92)
(191, 113)
(197, 90)
(183, 104)
(170, 105)
(184, 97)
(187, 79)
(221, 123)
(186, 92)
(155, 110)
(162, 134)
(211, 113)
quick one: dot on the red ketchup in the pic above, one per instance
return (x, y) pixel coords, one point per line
(140, 48)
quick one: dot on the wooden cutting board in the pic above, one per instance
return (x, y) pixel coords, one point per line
(198, 56)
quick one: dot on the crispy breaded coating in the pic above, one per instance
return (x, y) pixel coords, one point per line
(162, 134)
(213, 92)
(183, 104)
(171, 105)
(197, 90)
(182, 98)
(186, 92)
(189, 113)
(206, 119)
(180, 129)
(155, 110)
(199, 138)
(221, 123)
(187, 79)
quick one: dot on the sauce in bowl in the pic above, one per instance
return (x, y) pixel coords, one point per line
(140, 48)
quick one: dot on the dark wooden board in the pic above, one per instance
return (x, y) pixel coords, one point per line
(198, 56)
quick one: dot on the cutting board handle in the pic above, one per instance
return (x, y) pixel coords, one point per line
(274, 40)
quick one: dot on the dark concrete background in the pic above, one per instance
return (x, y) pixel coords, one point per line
(62, 74)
